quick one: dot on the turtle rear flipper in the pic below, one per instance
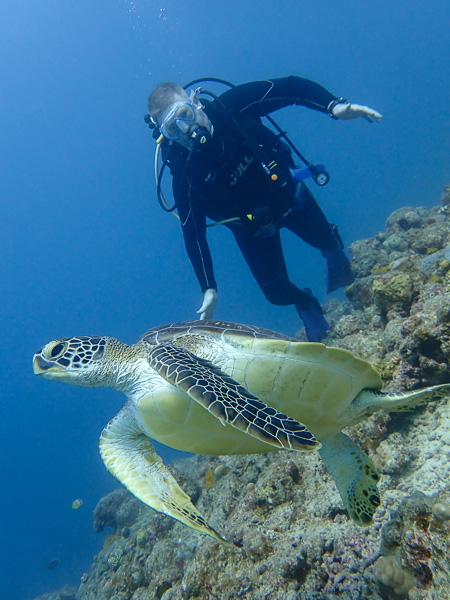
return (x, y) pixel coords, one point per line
(372, 401)
(224, 398)
(130, 457)
(355, 476)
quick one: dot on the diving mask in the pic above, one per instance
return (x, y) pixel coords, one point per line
(178, 120)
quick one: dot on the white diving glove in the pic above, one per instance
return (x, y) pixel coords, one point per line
(206, 310)
(346, 111)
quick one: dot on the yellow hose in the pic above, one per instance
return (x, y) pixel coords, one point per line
(158, 150)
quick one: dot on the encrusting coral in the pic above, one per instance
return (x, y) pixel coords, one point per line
(391, 574)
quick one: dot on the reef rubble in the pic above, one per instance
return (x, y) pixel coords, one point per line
(292, 537)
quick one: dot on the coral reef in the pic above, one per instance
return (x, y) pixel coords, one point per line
(292, 537)
(66, 593)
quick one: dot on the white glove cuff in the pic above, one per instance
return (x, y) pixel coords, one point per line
(333, 104)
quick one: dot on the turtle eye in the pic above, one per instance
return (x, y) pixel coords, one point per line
(55, 351)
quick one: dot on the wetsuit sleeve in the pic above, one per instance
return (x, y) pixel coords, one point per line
(259, 98)
(193, 223)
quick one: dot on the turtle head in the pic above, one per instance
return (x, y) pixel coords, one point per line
(76, 360)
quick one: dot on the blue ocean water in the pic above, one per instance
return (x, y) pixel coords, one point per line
(85, 248)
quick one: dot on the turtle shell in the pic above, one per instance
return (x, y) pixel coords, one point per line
(310, 382)
(166, 333)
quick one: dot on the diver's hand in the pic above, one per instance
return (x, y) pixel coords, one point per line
(206, 310)
(346, 111)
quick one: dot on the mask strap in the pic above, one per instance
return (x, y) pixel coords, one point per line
(193, 97)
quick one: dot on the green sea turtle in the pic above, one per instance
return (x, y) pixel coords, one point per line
(222, 388)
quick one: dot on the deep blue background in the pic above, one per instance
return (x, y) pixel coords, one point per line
(86, 250)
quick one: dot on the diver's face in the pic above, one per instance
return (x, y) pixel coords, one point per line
(181, 119)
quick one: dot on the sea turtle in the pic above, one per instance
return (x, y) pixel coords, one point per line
(222, 388)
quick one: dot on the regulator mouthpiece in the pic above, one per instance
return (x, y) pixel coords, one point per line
(200, 136)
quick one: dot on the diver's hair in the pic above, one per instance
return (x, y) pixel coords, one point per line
(164, 94)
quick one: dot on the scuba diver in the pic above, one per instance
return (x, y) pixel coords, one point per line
(230, 168)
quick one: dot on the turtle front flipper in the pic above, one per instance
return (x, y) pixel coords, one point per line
(130, 457)
(224, 398)
(355, 476)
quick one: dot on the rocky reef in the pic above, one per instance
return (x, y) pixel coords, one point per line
(292, 536)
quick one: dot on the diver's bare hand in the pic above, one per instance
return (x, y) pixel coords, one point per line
(206, 311)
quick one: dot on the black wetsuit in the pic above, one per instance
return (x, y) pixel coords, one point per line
(225, 179)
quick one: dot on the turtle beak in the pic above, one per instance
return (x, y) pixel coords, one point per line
(45, 368)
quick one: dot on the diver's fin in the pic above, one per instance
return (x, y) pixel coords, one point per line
(316, 326)
(130, 457)
(355, 476)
